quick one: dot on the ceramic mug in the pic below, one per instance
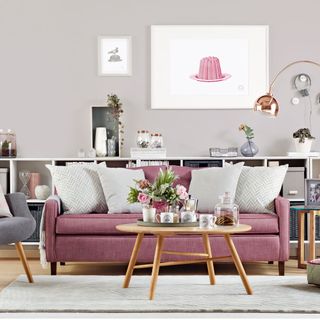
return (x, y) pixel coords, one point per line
(149, 214)
(164, 217)
(188, 217)
(207, 221)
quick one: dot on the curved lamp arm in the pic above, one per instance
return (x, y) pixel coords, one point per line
(267, 104)
(288, 66)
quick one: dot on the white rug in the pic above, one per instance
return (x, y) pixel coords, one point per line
(173, 294)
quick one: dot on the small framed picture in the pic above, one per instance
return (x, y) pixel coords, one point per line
(312, 192)
(114, 56)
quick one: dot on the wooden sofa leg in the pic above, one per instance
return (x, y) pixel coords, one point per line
(53, 267)
(270, 262)
(24, 261)
(281, 267)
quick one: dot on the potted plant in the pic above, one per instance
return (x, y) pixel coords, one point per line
(303, 140)
(157, 196)
(248, 149)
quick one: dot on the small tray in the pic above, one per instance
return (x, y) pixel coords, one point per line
(140, 222)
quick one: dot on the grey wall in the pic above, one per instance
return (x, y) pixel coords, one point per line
(48, 73)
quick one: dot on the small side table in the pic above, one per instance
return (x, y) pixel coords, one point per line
(302, 213)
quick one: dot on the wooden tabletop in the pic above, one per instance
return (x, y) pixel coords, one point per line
(134, 228)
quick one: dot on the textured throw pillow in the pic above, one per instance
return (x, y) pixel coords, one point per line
(258, 187)
(79, 187)
(4, 208)
(116, 183)
(208, 184)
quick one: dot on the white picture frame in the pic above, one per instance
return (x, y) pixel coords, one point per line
(114, 56)
(177, 52)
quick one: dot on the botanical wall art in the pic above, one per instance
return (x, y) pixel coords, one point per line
(114, 56)
(208, 67)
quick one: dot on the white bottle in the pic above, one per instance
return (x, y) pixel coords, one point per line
(101, 142)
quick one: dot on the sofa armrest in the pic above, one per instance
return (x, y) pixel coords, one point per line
(18, 205)
(51, 212)
(283, 211)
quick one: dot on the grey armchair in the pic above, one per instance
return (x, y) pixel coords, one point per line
(18, 228)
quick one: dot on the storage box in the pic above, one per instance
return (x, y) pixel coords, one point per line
(148, 153)
(4, 179)
(293, 185)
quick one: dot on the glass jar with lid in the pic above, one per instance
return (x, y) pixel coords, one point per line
(8, 146)
(156, 140)
(143, 139)
(226, 211)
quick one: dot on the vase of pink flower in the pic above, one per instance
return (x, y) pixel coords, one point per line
(157, 196)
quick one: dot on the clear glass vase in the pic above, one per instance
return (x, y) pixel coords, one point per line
(249, 149)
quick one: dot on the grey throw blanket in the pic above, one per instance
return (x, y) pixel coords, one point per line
(42, 243)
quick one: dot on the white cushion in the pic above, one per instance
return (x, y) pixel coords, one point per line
(79, 187)
(116, 183)
(208, 184)
(4, 208)
(258, 187)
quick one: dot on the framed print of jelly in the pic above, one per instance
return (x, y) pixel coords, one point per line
(114, 56)
(208, 67)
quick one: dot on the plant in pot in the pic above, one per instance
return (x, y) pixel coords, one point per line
(303, 140)
(248, 149)
(157, 196)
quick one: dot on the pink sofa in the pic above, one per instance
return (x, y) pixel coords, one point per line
(93, 237)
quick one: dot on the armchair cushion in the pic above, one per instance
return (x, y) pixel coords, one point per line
(4, 208)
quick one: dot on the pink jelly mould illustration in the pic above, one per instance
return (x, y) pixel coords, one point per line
(210, 71)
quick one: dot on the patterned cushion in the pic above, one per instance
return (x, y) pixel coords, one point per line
(258, 187)
(4, 208)
(116, 183)
(79, 187)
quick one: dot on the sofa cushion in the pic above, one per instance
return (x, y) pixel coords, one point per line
(94, 223)
(184, 175)
(258, 187)
(150, 172)
(208, 184)
(79, 187)
(105, 224)
(116, 184)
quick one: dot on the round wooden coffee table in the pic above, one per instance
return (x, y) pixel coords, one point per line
(162, 232)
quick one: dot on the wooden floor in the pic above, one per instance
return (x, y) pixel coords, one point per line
(11, 268)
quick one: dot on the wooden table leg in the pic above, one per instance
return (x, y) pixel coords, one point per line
(24, 261)
(238, 263)
(207, 246)
(133, 260)
(301, 217)
(156, 265)
(312, 240)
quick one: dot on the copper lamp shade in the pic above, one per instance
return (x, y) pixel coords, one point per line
(267, 104)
